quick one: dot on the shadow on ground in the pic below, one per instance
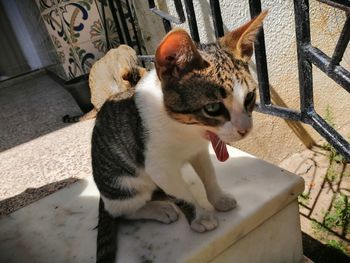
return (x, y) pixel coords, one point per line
(321, 253)
(32, 108)
(31, 195)
(324, 204)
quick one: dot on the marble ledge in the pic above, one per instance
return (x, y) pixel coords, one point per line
(60, 227)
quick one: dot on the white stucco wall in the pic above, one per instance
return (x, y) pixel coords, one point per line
(273, 139)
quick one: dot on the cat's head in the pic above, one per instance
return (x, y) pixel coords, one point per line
(210, 84)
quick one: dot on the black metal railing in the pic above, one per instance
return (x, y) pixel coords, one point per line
(308, 55)
(125, 23)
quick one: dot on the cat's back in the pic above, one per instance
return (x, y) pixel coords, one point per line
(119, 112)
(118, 137)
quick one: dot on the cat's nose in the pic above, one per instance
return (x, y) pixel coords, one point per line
(242, 132)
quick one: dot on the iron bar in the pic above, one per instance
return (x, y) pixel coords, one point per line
(323, 62)
(192, 22)
(134, 27)
(123, 22)
(180, 11)
(146, 58)
(103, 2)
(166, 24)
(342, 43)
(166, 18)
(302, 28)
(260, 57)
(341, 4)
(281, 112)
(217, 18)
(331, 135)
(116, 22)
(170, 18)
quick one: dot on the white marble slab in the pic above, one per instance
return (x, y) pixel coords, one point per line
(60, 228)
(277, 240)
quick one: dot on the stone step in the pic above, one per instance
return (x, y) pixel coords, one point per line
(264, 227)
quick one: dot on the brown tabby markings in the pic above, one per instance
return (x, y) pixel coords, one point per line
(216, 83)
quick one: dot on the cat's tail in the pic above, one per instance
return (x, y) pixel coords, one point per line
(106, 236)
(72, 119)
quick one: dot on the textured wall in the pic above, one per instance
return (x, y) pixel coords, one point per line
(274, 139)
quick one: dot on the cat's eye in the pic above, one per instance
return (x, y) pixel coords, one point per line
(213, 109)
(249, 101)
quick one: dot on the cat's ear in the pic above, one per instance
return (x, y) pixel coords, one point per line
(240, 41)
(177, 55)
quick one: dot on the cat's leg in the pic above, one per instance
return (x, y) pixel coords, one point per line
(135, 199)
(162, 211)
(203, 166)
(140, 208)
(170, 180)
(90, 115)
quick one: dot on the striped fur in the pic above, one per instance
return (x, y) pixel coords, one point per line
(72, 119)
(106, 236)
(141, 140)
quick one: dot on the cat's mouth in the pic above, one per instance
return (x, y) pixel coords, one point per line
(219, 146)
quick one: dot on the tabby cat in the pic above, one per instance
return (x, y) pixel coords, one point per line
(197, 93)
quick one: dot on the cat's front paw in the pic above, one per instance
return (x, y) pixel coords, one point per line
(204, 222)
(224, 202)
(165, 212)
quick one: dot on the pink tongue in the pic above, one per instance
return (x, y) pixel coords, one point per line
(219, 147)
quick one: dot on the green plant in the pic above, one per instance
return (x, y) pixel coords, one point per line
(329, 118)
(334, 155)
(304, 198)
(339, 215)
(318, 229)
(331, 175)
(337, 245)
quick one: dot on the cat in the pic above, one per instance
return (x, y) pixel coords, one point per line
(197, 93)
(115, 72)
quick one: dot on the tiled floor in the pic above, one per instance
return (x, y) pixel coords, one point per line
(38, 152)
(32, 108)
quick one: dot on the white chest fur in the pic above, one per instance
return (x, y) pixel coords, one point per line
(168, 140)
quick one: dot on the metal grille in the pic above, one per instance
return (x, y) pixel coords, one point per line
(308, 55)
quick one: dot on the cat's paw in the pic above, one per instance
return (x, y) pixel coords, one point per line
(165, 212)
(224, 202)
(204, 222)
